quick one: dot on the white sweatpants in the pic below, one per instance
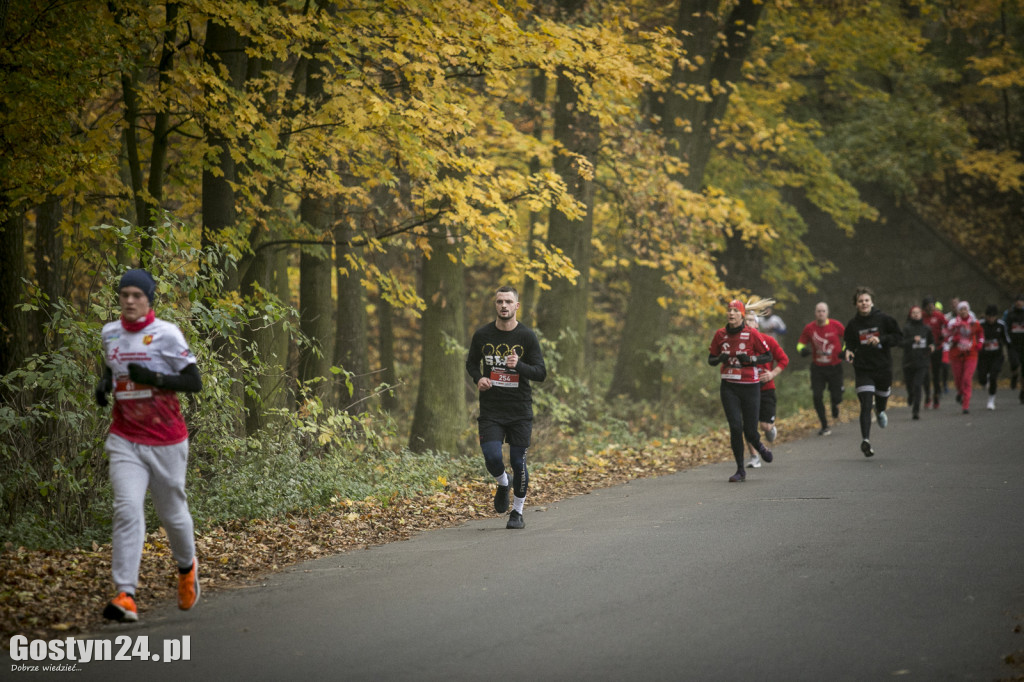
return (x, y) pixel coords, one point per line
(133, 469)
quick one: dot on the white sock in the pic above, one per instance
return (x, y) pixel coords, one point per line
(517, 503)
(503, 479)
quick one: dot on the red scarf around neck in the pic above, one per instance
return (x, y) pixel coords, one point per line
(139, 324)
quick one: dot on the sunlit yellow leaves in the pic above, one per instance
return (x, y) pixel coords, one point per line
(1003, 169)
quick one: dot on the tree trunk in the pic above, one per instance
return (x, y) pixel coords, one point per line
(268, 269)
(351, 349)
(315, 303)
(535, 113)
(688, 124)
(224, 46)
(386, 336)
(562, 310)
(49, 261)
(13, 322)
(151, 199)
(441, 412)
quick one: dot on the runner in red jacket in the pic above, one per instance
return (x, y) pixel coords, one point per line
(740, 351)
(964, 338)
(822, 339)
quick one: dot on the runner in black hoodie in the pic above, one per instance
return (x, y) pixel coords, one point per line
(870, 337)
(504, 358)
(918, 345)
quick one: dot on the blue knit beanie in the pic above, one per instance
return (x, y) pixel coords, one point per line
(141, 279)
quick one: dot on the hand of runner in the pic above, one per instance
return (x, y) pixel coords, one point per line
(483, 384)
(511, 360)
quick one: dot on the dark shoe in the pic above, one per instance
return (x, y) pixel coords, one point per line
(967, 411)
(515, 521)
(835, 412)
(765, 453)
(501, 498)
(935, 405)
(959, 398)
(824, 431)
(738, 477)
(865, 447)
(917, 416)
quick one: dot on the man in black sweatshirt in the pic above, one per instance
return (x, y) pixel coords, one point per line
(511, 357)
(870, 337)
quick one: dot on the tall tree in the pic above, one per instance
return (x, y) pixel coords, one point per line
(693, 104)
(13, 321)
(441, 413)
(316, 303)
(351, 338)
(562, 310)
(224, 53)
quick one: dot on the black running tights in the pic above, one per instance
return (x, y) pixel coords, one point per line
(742, 403)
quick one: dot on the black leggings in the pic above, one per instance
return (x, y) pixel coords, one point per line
(915, 378)
(516, 457)
(989, 365)
(873, 388)
(933, 382)
(742, 403)
(832, 378)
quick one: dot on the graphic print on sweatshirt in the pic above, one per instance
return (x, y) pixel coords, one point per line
(495, 358)
(824, 348)
(866, 335)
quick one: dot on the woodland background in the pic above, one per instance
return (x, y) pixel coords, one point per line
(329, 192)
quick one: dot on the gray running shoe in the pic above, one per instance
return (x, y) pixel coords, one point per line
(501, 498)
(515, 521)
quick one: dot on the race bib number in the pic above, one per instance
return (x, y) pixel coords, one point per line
(992, 344)
(504, 379)
(127, 390)
(867, 334)
(732, 374)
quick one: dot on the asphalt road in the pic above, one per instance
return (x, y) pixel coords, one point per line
(824, 565)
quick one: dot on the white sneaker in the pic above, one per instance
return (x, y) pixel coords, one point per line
(883, 419)
(772, 435)
(755, 461)
(991, 402)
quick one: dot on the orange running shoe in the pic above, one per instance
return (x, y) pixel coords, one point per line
(121, 608)
(188, 587)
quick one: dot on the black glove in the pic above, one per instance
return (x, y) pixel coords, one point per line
(714, 360)
(104, 386)
(743, 359)
(144, 375)
(805, 351)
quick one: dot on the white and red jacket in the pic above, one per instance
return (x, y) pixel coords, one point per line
(146, 414)
(743, 341)
(963, 337)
